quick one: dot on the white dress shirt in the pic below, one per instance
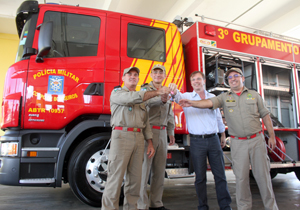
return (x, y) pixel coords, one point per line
(201, 121)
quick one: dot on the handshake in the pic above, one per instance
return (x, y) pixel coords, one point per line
(165, 92)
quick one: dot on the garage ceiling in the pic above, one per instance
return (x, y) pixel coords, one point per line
(276, 16)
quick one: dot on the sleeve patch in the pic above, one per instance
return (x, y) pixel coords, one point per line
(117, 88)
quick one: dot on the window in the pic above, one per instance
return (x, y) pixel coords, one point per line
(278, 98)
(73, 34)
(146, 43)
(250, 75)
(25, 40)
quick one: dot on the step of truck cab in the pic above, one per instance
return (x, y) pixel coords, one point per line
(37, 181)
(178, 173)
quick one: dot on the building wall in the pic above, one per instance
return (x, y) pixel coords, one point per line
(8, 50)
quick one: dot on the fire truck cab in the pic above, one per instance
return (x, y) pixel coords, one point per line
(56, 109)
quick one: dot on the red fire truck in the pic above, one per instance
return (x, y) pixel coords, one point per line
(55, 106)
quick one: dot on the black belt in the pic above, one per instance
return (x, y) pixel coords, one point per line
(203, 136)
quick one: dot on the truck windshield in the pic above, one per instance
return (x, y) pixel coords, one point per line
(23, 40)
(73, 34)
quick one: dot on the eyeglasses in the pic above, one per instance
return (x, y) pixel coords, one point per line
(235, 76)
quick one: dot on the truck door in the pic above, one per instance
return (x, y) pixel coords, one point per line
(279, 93)
(145, 43)
(67, 84)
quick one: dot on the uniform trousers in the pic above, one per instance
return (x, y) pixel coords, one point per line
(156, 165)
(125, 155)
(200, 150)
(252, 152)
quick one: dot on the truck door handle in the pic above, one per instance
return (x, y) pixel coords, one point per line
(95, 89)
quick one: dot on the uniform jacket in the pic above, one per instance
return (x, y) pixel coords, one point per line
(160, 114)
(129, 110)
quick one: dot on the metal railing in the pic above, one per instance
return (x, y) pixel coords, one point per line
(256, 30)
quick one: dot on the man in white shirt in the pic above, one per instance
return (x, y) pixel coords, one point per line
(203, 126)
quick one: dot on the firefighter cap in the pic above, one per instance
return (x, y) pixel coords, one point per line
(234, 69)
(159, 66)
(131, 68)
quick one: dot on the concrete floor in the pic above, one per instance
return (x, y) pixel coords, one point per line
(179, 194)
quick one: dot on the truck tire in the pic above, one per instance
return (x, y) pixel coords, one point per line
(273, 174)
(87, 169)
(297, 173)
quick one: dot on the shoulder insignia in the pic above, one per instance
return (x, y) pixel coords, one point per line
(117, 88)
(144, 87)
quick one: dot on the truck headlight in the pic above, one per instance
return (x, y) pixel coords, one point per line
(9, 149)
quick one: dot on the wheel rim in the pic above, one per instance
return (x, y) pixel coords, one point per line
(96, 170)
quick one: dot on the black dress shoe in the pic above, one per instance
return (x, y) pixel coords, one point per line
(158, 208)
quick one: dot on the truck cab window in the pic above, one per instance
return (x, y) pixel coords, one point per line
(73, 35)
(146, 43)
(23, 39)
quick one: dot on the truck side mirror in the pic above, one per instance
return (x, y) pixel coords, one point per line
(45, 40)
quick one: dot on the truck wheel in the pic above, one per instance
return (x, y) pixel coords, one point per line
(87, 170)
(297, 173)
(273, 174)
